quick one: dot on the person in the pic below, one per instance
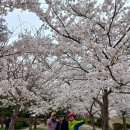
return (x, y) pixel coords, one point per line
(73, 124)
(7, 121)
(62, 124)
(51, 122)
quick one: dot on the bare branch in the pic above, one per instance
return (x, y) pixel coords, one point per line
(121, 37)
(77, 63)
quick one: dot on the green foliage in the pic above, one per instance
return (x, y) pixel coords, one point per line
(3, 97)
(5, 113)
(23, 114)
(88, 122)
(128, 119)
(128, 125)
(20, 123)
(117, 126)
(60, 112)
(99, 122)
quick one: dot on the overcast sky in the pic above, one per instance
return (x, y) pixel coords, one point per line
(17, 21)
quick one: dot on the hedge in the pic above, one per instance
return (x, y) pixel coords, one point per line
(20, 123)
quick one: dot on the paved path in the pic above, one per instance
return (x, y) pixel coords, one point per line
(87, 127)
(84, 127)
(38, 126)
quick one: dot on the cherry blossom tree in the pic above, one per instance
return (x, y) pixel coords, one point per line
(120, 103)
(93, 40)
(25, 75)
(92, 43)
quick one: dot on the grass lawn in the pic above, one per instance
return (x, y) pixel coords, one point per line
(128, 120)
(39, 129)
(33, 129)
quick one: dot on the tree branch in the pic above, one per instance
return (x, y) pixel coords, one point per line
(77, 63)
(98, 101)
(121, 37)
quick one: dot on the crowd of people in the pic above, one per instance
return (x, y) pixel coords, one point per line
(62, 124)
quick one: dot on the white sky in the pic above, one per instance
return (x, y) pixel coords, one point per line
(18, 21)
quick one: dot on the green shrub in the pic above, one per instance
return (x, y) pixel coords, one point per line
(20, 123)
(99, 122)
(5, 113)
(117, 126)
(89, 122)
(128, 125)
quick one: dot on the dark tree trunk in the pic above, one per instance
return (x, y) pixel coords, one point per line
(2, 121)
(104, 108)
(13, 118)
(35, 122)
(124, 120)
(30, 122)
(11, 127)
(92, 121)
(45, 121)
(105, 113)
(102, 118)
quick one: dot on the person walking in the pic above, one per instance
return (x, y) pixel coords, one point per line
(51, 122)
(62, 124)
(7, 121)
(73, 124)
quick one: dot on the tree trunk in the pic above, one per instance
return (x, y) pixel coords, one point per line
(104, 108)
(35, 122)
(124, 121)
(92, 121)
(105, 113)
(102, 117)
(11, 126)
(45, 121)
(30, 122)
(13, 118)
(2, 122)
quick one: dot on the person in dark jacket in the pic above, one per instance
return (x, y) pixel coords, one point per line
(7, 121)
(62, 124)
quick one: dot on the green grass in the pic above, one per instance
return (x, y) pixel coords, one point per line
(39, 129)
(33, 129)
(128, 120)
